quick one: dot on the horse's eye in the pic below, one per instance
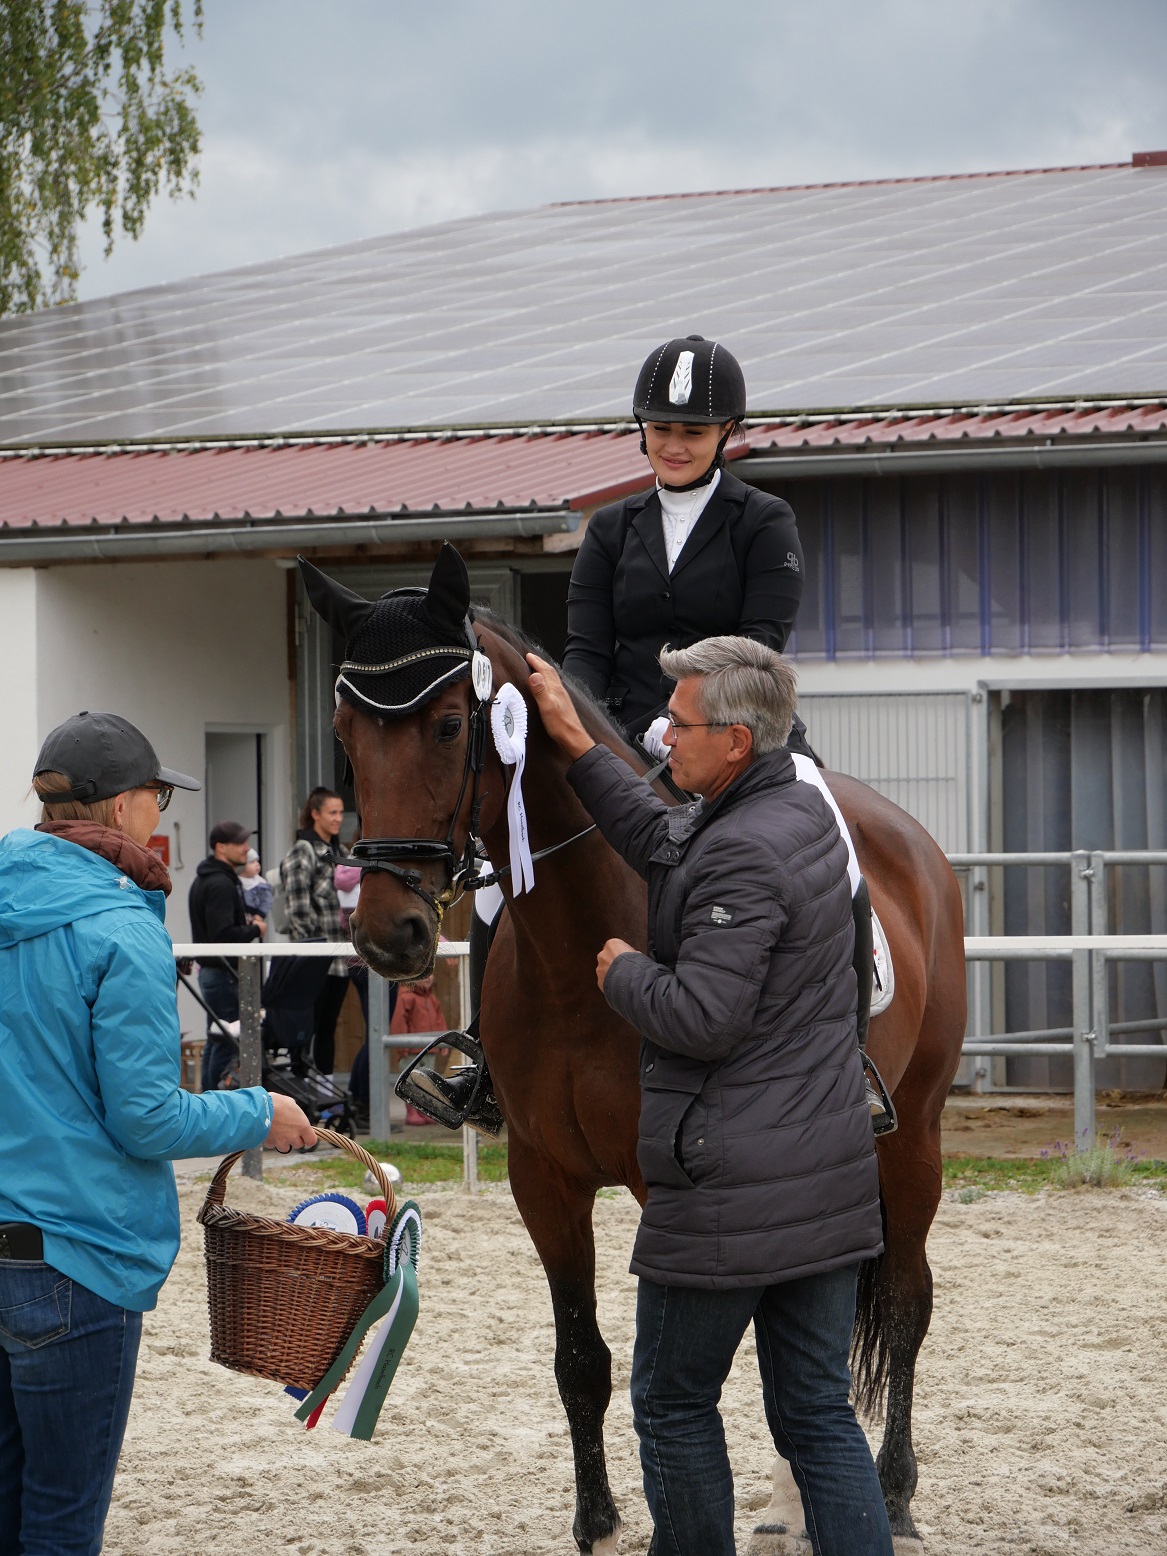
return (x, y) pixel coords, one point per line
(449, 730)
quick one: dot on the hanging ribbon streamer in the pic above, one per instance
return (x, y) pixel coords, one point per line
(397, 1303)
(508, 723)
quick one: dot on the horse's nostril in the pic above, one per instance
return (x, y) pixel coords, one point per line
(414, 934)
(400, 949)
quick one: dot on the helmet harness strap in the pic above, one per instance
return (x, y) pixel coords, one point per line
(718, 462)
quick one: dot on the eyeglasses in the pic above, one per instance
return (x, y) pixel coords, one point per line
(163, 793)
(675, 727)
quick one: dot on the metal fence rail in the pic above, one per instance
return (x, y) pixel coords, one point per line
(250, 958)
(1090, 948)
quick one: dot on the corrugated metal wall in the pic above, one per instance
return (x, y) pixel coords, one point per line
(911, 747)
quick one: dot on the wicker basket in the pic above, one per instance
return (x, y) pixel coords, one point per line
(285, 1298)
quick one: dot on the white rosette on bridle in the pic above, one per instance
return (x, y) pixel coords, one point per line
(508, 724)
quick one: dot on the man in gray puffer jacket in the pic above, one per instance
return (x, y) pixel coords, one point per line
(755, 1138)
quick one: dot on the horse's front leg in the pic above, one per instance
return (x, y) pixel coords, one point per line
(558, 1216)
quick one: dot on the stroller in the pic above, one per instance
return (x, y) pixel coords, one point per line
(288, 1001)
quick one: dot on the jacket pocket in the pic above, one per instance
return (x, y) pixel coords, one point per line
(35, 1304)
(669, 1112)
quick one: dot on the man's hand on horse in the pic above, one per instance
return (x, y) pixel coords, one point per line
(557, 710)
(612, 949)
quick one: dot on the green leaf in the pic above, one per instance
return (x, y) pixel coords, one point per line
(90, 122)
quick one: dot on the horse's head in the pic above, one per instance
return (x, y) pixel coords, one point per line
(415, 732)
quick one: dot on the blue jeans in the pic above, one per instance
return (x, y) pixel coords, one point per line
(221, 992)
(685, 1344)
(67, 1359)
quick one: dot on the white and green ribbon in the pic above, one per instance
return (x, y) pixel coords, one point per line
(397, 1304)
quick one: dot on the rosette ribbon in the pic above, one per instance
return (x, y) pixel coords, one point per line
(508, 724)
(396, 1303)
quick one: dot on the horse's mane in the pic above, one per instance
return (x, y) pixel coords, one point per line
(595, 717)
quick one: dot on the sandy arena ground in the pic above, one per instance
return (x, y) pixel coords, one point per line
(1041, 1416)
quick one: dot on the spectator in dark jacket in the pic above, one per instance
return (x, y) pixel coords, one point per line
(755, 1141)
(218, 915)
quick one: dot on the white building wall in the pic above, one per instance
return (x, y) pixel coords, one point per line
(18, 695)
(177, 647)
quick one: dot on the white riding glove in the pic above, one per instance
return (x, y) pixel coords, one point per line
(653, 739)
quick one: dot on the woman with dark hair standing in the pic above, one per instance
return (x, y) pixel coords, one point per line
(313, 907)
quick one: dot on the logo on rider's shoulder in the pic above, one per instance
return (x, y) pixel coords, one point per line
(792, 561)
(721, 916)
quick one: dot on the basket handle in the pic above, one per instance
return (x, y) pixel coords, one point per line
(217, 1192)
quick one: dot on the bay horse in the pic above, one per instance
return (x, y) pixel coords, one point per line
(564, 1066)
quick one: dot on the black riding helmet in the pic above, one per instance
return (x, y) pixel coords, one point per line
(693, 380)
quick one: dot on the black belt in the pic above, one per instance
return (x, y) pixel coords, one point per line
(18, 1240)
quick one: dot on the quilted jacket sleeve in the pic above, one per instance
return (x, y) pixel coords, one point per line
(632, 818)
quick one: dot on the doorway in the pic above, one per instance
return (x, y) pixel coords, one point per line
(235, 780)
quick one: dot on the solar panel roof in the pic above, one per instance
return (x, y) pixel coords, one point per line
(1044, 285)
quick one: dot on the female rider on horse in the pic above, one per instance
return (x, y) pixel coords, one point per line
(699, 555)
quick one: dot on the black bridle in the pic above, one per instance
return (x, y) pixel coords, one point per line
(387, 854)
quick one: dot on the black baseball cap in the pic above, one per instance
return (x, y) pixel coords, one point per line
(103, 754)
(230, 832)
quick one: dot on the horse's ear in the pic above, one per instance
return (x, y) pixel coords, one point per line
(448, 597)
(340, 607)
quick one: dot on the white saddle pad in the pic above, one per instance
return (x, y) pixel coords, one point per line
(884, 988)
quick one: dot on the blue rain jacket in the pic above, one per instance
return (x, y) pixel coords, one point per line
(91, 1112)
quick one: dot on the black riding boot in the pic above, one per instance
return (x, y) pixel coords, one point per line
(465, 1096)
(879, 1103)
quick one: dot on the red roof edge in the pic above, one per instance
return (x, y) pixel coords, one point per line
(872, 183)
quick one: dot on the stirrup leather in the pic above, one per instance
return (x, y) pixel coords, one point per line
(890, 1121)
(480, 1111)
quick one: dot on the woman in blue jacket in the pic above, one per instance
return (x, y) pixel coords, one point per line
(91, 1116)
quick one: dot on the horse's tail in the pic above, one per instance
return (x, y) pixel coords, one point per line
(870, 1351)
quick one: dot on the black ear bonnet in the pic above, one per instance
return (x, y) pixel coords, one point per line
(406, 647)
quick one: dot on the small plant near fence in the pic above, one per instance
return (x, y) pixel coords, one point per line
(1109, 1164)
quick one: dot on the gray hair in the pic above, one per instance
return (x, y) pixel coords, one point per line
(742, 682)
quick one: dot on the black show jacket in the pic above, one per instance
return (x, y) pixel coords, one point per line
(739, 572)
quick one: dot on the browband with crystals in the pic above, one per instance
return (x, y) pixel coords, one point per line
(406, 659)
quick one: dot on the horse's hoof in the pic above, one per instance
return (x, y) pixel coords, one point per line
(609, 1544)
(777, 1540)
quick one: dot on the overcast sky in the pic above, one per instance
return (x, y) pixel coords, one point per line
(327, 123)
